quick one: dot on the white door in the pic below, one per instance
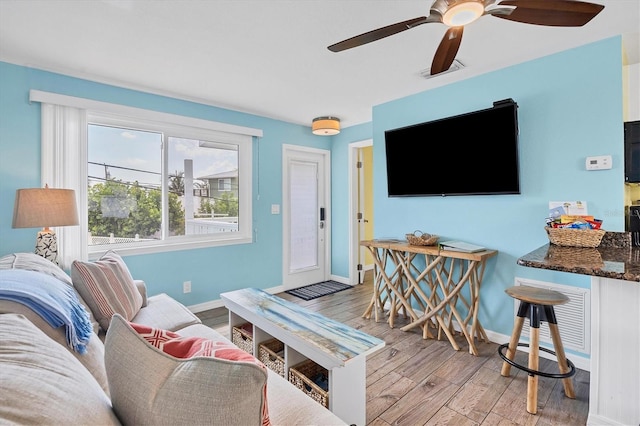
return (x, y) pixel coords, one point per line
(306, 226)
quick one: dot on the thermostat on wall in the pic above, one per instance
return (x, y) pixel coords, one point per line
(602, 162)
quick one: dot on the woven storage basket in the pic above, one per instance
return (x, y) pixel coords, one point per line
(242, 337)
(575, 237)
(418, 238)
(271, 354)
(302, 375)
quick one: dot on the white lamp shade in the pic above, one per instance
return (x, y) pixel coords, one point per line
(44, 207)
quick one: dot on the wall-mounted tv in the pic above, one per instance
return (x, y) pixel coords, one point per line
(475, 153)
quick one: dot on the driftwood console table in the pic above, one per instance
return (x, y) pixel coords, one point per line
(431, 294)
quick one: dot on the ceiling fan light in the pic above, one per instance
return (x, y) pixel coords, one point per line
(463, 13)
(325, 126)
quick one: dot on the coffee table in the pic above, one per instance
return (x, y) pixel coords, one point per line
(339, 348)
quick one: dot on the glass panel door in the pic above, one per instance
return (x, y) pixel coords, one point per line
(305, 216)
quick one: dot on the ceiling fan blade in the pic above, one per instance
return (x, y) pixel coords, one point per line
(557, 13)
(447, 50)
(374, 35)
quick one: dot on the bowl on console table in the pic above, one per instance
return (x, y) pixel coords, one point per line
(419, 238)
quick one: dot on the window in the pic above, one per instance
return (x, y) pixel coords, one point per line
(168, 139)
(142, 180)
(146, 182)
(224, 184)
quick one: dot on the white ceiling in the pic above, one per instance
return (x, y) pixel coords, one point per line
(270, 57)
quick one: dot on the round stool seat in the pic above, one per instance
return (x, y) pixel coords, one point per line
(537, 296)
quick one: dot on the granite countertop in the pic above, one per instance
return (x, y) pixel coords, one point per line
(613, 258)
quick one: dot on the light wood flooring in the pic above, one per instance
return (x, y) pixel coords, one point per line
(412, 381)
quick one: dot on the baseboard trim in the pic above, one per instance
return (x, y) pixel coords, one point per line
(201, 307)
(341, 280)
(213, 304)
(596, 420)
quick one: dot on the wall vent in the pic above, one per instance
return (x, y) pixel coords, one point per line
(574, 317)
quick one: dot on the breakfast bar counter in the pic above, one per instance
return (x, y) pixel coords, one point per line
(619, 263)
(614, 267)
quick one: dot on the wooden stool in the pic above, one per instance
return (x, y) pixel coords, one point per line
(537, 304)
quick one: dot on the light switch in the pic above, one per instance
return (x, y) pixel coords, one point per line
(275, 208)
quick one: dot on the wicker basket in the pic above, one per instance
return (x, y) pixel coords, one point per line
(569, 237)
(271, 354)
(302, 375)
(242, 337)
(418, 238)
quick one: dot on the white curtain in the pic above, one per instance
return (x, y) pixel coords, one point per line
(64, 165)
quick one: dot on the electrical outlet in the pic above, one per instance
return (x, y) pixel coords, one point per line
(186, 287)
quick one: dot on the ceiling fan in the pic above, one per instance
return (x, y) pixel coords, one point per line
(458, 13)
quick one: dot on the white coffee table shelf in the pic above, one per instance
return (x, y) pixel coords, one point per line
(341, 349)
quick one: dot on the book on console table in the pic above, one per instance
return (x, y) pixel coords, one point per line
(461, 246)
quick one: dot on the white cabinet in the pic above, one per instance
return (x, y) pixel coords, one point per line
(614, 389)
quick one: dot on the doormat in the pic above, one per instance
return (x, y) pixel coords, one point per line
(313, 291)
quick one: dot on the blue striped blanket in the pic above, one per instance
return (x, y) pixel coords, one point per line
(55, 301)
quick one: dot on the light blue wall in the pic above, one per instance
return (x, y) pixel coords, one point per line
(570, 107)
(212, 270)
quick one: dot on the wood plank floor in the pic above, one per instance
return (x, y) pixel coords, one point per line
(413, 381)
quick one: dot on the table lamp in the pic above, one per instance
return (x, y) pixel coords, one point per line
(45, 207)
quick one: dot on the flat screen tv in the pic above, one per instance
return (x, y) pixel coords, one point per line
(474, 153)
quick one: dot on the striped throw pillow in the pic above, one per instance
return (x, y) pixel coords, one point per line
(107, 287)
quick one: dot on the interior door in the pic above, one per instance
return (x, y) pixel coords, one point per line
(360, 208)
(305, 216)
(361, 216)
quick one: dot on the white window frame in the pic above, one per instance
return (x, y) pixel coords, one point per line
(175, 125)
